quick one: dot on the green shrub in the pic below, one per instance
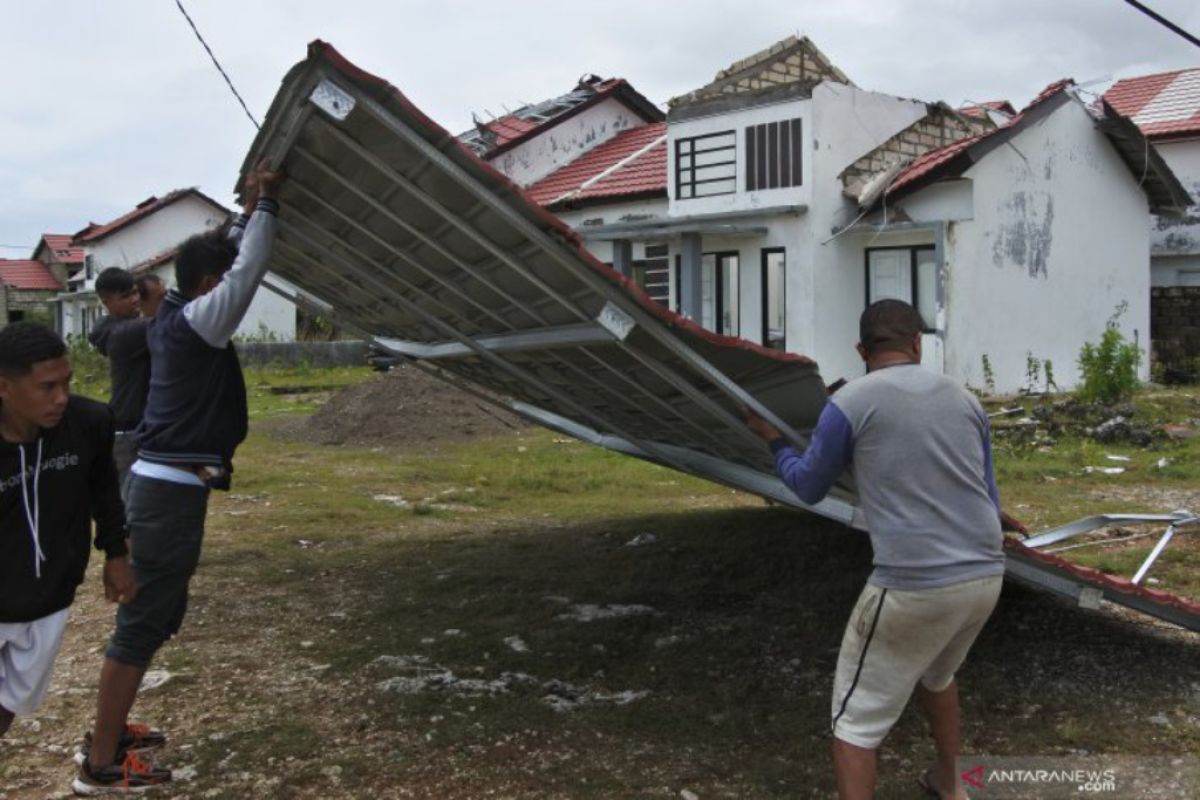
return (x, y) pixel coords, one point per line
(1110, 368)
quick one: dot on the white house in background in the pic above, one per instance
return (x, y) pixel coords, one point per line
(145, 239)
(779, 200)
(1166, 107)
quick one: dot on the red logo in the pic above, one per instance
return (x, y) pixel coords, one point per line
(974, 777)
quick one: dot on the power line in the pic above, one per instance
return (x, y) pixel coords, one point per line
(216, 63)
(1161, 20)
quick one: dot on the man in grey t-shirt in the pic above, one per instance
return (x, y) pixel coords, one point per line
(919, 447)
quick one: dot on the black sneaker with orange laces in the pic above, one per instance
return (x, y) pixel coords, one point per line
(133, 774)
(136, 737)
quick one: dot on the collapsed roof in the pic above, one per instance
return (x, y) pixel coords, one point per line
(906, 174)
(490, 139)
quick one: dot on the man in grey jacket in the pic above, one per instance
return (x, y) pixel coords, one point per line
(920, 450)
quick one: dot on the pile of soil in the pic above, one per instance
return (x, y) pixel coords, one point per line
(400, 408)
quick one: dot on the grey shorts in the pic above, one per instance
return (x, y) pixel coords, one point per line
(896, 639)
(166, 529)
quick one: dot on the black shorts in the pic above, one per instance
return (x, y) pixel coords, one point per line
(166, 529)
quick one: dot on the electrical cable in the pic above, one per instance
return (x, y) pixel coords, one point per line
(217, 64)
(1161, 20)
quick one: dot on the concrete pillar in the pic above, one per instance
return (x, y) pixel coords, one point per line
(689, 289)
(622, 257)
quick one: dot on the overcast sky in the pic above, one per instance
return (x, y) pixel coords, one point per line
(107, 103)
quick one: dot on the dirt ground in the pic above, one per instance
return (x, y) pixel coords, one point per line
(398, 617)
(403, 407)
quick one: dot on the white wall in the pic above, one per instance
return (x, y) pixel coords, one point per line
(737, 121)
(154, 235)
(269, 316)
(825, 302)
(1175, 270)
(1177, 237)
(1058, 240)
(614, 213)
(561, 144)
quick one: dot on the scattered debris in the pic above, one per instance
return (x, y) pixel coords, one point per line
(563, 696)
(154, 678)
(686, 795)
(517, 644)
(392, 499)
(1163, 463)
(401, 662)
(1049, 421)
(1104, 470)
(559, 695)
(1117, 458)
(1180, 432)
(587, 612)
(642, 539)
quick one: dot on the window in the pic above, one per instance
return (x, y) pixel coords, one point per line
(706, 165)
(773, 155)
(719, 285)
(905, 273)
(774, 295)
(88, 268)
(652, 273)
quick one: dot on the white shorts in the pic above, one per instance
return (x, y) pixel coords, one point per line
(895, 638)
(27, 653)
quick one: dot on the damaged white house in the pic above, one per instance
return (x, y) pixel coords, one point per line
(779, 200)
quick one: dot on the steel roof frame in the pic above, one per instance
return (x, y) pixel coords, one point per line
(398, 232)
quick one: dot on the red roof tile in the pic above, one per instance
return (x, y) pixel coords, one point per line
(94, 231)
(27, 275)
(59, 245)
(926, 163)
(979, 110)
(647, 173)
(509, 128)
(1162, 105)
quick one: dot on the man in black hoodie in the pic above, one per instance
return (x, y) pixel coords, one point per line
(56, 477)
(121, 337)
